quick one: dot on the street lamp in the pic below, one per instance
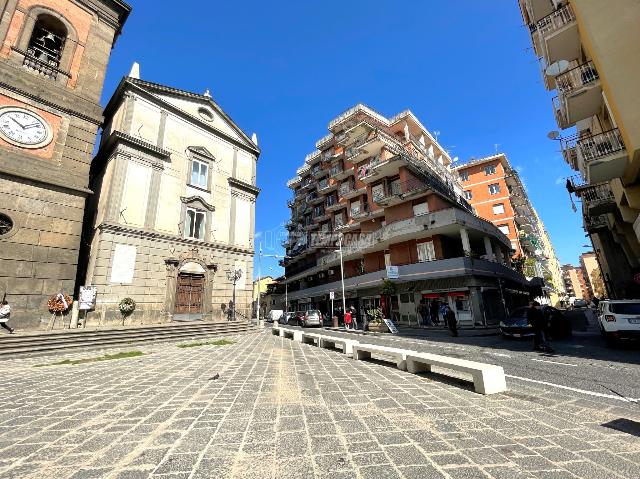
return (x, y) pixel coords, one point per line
(344, 300)
(234, 275)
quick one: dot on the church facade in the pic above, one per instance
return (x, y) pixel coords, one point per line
(53, 59)
(172, 218)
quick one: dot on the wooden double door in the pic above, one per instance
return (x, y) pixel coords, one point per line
(189, 296)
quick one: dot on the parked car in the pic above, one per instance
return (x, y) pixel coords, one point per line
(619, 319)
(313, 317)
(286, 317)
(580, 304)
(274, 315)
(297, 318)
(517, 326)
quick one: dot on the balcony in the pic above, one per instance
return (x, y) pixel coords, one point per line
(555, 37)
(334, 205)
(592, 224)
(318, 172)
(580, 95)
(538, 9)
(401, 191)
(379, 168)
(596, 199)
(325, 186)
(601, 157)
(324, 142)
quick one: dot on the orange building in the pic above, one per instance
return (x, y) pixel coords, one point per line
(488, 183)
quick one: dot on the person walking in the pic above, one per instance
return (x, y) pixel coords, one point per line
(347, 319)
(434, 312)
(536, 319)
(5, 313)
(354, 317)
(450, 320)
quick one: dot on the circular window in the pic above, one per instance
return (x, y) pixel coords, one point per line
(205, 114)
(6, 224)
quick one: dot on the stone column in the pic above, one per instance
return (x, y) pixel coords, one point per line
(162, 128)
(464, 236)
(172, 283)
(207, 299)
(154, 194)
(488, 250)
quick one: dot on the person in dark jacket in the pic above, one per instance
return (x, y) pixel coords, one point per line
(536, 318)
(450, 320)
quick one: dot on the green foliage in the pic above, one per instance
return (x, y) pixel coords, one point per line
(376, 316)
(106, 357)
(216, 342)
(388, 288)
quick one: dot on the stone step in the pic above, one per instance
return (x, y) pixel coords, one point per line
(60, 342)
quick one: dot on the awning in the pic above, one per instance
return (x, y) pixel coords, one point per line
(432, 295)
(457, 293)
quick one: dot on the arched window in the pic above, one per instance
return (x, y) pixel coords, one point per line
(44, 51)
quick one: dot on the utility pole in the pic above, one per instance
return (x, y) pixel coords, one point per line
(259, 274)
(344, 299)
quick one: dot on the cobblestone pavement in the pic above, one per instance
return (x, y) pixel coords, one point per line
(282, 409)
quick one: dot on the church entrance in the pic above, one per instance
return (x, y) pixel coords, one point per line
(189, 297)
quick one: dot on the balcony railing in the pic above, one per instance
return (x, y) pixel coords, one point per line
(601, 145)
(335, 169)
(593, 195)
(560, 113)
(577, 78)
(555, 21)
(595, 222)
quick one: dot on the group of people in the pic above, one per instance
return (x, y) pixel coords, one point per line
(538, 321)
(431, 313)
(349, 317)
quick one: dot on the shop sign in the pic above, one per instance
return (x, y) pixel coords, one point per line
(332, 295)
(392, 272)
(390, 325)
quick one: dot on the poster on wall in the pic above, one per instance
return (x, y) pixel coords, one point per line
(87, 299)
(123, 264)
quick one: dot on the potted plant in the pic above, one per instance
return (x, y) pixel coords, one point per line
(376, 323)
(127, 306)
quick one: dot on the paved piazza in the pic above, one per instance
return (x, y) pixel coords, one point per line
(282, 409)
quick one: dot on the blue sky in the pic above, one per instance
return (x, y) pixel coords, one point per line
(285, 69)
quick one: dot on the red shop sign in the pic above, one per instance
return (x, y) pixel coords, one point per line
(457, 293)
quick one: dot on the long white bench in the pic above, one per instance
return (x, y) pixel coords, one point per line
(364, 351)
(487, 378)
(332, 342)
(291, 333)
(310, 338)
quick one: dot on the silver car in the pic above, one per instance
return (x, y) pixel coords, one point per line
(313, 317)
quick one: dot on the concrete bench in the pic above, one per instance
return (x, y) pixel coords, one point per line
(487, 378)
(290, 333)
(346, 345)
(399, 356)
(311, 338)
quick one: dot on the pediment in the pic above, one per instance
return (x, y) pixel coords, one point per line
(202, 151)
(197, 201)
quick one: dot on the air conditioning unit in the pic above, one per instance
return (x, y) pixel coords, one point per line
(331, 272)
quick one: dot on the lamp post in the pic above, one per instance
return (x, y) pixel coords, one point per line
(344, 300)
(259, 274)
(234, 275)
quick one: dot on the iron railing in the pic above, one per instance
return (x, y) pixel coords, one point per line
(603, 144)
(555, 21)
(577, 77)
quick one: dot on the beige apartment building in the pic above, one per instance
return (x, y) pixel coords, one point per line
(173, 213)
(593, 274)
(575, 283)
(496, 193)
(588, 54)
(384, 189)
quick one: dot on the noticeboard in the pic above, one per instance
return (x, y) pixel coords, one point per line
(390, 325)
(87, 297)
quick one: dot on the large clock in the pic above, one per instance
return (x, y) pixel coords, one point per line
(24, 128)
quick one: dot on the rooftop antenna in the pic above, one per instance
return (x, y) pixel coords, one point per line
(496, 145)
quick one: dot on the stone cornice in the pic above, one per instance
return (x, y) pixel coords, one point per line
(151, 234)
(246, 187)
(187, 200)
(117, 137)
(138, 86)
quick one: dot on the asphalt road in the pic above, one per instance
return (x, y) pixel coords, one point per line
(582, 363)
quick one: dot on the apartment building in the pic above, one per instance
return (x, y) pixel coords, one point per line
(593, 275)
(588, 55)
(496, 193)
(575, 283)
(383, 189)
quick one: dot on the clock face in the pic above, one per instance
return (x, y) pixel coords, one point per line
(24, 128)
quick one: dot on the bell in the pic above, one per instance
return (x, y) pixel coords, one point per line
(49, 36)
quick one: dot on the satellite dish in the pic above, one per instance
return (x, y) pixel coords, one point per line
(553, 135)
(557, 68)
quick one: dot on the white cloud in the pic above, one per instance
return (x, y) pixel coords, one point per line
(559, 181)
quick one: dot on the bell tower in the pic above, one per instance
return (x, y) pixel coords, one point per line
(53, 60)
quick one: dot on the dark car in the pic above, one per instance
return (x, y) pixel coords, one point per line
(516, 325)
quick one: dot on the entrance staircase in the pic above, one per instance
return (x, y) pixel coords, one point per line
(53, 342)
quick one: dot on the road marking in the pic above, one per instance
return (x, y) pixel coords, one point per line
(581, 391)
(554, 362)
(501, 355)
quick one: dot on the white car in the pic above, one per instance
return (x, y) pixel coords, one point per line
(619, 319)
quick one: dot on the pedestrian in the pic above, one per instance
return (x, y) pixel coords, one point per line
(354, 317)
(536, 319)
(423, 311)
(450, 320)
(434, 312)
(347, 319)
(5, 313)
(443, 312)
